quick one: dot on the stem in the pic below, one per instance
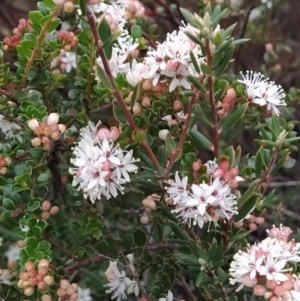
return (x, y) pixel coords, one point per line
(13, 119)
(168, 10)
(183, 135)
(36, 49)
(212, 101)
(120, 100)
(100, 257)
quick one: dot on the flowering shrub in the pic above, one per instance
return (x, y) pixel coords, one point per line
(107, 191)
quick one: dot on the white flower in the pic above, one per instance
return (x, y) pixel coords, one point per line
(118, 282)
(268, 259)
(10, 129)
(84, 294)
(13, 253)
(207, 203)
(211, 167)
(263, 92)
(69, 59)
(100, 167)
(133, 288)
(169, 297)
(177, 189)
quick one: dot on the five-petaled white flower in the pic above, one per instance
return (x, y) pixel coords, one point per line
(69, 59)
(263, 92)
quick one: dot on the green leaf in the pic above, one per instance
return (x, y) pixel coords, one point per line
(200, 139)
(103, 77)
(196, 82)
(8, 204)
(42, 8)
(188, 16)
(178, 231)
(234, 117)
(32, 242)
(37, 152)
(140, 237)
(105, 35)
(54, 24)
(20, 168)
(240, 236)
(157, 232)
(224, 62)
(170, 143)
(23, 180)
(33, 205)
(24, 51)
(31, 222)
(222, 47)
(128, 241)
(136, 31)
(195, 62)
(205, 69)
(247, 194)
(37, 232)
(35, 17)
(279, 164)
(200, 278)
(118, 113)
(246, 208)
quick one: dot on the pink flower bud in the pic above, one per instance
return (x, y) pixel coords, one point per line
(224, 165)
(218, 173)
(46, 298)
(269, 47)
(268, 295)
(233, 183)
(172, 64)
(46, 205)
(64, 284)
(44, 263)
(231, 93)
(259, 290)
(227, 176)
(279, 290)
(114, 133)
(29, 291)
(106, 166)
(274, 298)
(146, 102)
(56, 136)
(62, 128)
(74, 297)
(271, 284)
(33, 124)
(259, 220)
(177, 105)
(140, 13)
(248, 282)
(288, 284)
(196, 165)
(287, 231)
(253, 227)
(234, 172)
(52, 119)
(36, 142)
(137, 108)
(54, 210)
(147, 85)
(103, 134)
(42, 285)
(135, 53)
(144, 220)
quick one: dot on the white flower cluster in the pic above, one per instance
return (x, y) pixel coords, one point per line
(169, 61)
(101, 168)
(84, 294)
(203, 202)
(119, 285)
(267, 260)
(263, 92)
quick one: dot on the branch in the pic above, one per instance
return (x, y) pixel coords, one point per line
(212, 101)
(100, 257)
(176, 153)
(120, 100)
(12, 119)
(168, 10)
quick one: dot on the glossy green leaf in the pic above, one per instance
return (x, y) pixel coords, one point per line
(136, 31)
(140, 237)
(8, 204)
(199, 139)
(233, 118)
(103, 77)
(105, 35)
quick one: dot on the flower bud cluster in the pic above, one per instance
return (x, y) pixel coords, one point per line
(13, 41)
(33, 278)
(48, 210)
(222, 171)
(67, 291)
(46, 131)
(108, 134)
(69, 39)
(149, 204)
(135, 9)
(265, 267)
(252, 222)
(227, 104)
(4, 162)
